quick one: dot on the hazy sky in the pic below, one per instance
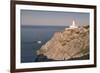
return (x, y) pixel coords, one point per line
(52, 18)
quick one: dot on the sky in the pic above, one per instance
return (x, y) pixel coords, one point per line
(53, 18)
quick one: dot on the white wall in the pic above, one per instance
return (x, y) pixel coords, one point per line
(5, 36)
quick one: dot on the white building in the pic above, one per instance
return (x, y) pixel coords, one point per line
(72, 26)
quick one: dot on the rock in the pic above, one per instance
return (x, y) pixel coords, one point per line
(68, 44)
(42, 58)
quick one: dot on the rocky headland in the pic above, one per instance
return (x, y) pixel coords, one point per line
(69, 44)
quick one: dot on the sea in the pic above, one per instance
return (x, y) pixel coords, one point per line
(33, 37)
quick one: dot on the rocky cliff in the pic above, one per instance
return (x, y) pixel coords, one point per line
(67, 44)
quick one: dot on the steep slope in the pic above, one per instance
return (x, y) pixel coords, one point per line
(68, 44)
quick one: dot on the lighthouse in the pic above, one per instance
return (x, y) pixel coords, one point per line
(73, 25)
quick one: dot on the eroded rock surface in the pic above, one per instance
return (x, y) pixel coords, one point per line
(68, 44)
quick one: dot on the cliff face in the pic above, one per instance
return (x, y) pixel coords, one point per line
(70, 43)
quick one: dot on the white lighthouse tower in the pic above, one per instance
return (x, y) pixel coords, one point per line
(73, 25)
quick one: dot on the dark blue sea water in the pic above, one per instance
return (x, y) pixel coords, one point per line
(29, 37)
